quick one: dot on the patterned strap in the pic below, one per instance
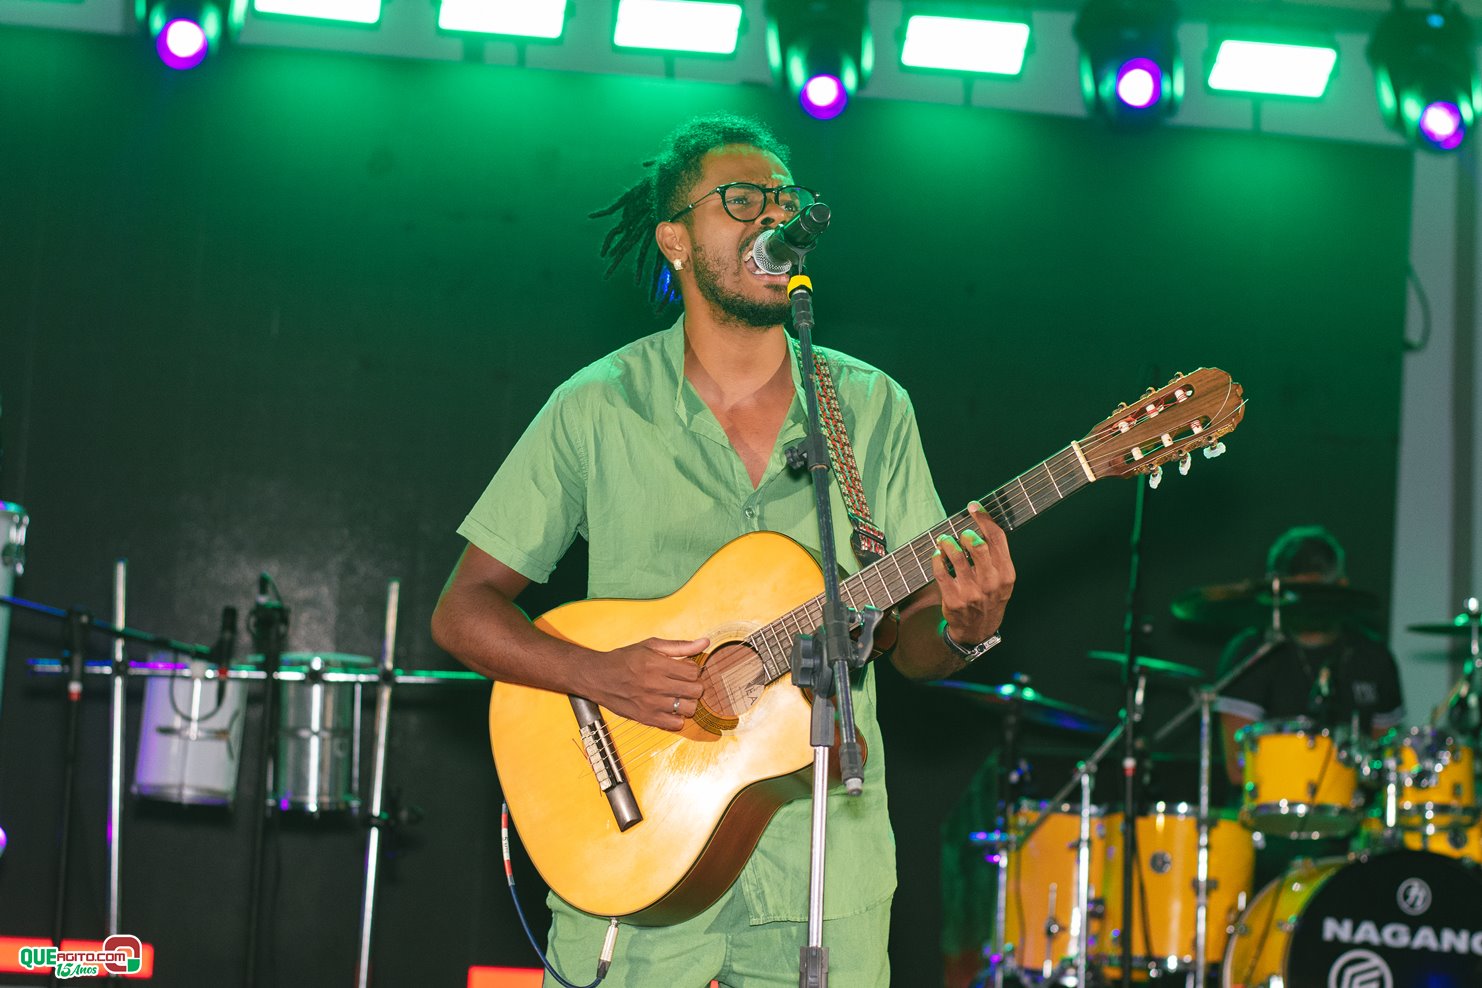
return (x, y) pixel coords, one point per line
(868, 542)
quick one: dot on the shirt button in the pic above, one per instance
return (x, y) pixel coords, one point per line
(751, 512)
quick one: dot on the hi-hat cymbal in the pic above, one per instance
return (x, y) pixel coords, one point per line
(1161, 667)
(1034, 705)
(1460, 626)
(1248, 602)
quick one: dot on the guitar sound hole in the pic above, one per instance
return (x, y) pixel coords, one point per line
(733, 678)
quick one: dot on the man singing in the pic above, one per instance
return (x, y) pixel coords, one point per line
(660, 453)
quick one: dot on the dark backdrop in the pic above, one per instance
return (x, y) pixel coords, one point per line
(288, 312)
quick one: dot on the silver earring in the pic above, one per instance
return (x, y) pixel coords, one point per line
(678, 264)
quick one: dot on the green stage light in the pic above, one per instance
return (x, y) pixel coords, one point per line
(1271, 69)
(520, 18)
(350, 11)
(678, 25)
(965, 44)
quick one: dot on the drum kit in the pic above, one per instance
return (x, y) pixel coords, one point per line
(193, 724)
(1402, 908)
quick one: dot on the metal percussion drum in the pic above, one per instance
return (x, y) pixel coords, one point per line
(1399, 919)
(13, 522)
(1437, 778)
(1041, 925)
(1164, 907)
(318, 734)
(190, 738)
(1298, 782)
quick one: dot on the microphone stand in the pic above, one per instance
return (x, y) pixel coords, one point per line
(1136, 685)
(378, 819)
(269, 627)
(78, 623)
(821, 662)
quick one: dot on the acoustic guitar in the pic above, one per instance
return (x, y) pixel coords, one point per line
(631, 821)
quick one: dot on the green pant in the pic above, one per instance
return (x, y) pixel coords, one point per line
(721, 943)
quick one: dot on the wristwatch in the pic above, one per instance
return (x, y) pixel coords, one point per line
(969, 653)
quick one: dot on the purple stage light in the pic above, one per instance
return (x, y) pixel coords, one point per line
(1441, 124)
(1139, 83)
(824, 97)
(182, 44)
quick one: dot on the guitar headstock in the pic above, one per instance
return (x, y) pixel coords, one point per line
(1191, 411)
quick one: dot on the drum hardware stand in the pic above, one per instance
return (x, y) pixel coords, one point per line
(1204, 698)
(378, 819)
(117, 703)
(1084, 777)
(79, 624)
(268, 624)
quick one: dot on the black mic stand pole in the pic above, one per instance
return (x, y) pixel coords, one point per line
(1135, 684)
(78, 622)
(825, 672)
(269, 626)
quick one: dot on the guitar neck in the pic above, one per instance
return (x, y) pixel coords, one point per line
(892, 579)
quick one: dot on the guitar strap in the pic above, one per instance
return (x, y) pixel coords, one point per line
(868, 542)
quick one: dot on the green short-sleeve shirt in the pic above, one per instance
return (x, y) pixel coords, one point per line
(627, 455)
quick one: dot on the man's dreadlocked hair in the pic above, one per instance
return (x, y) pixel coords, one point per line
(659, 195)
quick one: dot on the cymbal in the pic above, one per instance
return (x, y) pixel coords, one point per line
(1161, 667)
(1460, 626)
(1034, 705)
(1248, 602)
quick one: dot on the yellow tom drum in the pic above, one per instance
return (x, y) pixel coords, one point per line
(1297, 784)
(1437, 776)
(1451, 841)
(1164, 890)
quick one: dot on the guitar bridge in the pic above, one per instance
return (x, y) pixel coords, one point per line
(596, 742)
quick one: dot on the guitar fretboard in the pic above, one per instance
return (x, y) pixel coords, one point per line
(901, 573)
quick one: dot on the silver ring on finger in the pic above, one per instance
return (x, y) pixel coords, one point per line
(675, 708)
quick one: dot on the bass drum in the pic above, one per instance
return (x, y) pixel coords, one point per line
(1401, 919)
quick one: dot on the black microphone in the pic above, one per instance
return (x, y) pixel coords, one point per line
(226, 639)
(781, 248)
(264, 588)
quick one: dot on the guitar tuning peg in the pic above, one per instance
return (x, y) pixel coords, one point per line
(1155, 477)
(1210, 452)
(1121, 406)
(1184, 463)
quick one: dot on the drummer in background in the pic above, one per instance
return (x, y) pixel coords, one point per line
(1327, 669)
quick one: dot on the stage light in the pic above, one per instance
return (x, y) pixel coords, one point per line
(1131, 71)
(348, 11)
(678, 25)
(517, 18)
(186, 32)
(965, 44)
(821, 50)
(1273, 69)
(1425, 75)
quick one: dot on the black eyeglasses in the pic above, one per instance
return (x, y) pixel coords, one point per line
(745, 201)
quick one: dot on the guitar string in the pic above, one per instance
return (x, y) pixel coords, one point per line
(629, 736)
(921, 549)
(773, 644)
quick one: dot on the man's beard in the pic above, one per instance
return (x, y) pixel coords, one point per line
(734, 306)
